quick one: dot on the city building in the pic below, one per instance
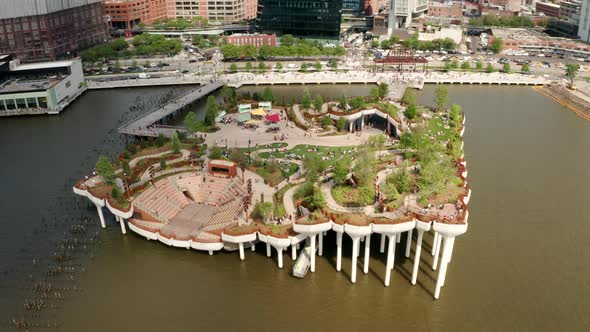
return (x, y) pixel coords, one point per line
(38, 88)
(584, 28)
(569, 11)
(401, 12)
(47, 30)
(126, 14)
(301, 18)
(445, 9)
(534, 42)
(547, 8)
(256, 40)
(226, 11)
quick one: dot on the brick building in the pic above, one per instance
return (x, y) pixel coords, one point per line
(126, 14)
(547, 8)
(46, 29)
(256, 40)
(438, 9)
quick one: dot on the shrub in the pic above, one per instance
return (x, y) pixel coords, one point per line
(411, 111)
(161, 140)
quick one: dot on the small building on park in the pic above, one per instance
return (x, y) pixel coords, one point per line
(225, 168)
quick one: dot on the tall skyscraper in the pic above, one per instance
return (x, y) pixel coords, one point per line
(401, 12)
(584, 29)
(49, 29)
(303, 18)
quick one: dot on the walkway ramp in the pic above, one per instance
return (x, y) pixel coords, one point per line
(302, 263)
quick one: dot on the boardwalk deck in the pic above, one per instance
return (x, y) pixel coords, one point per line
(138, 127)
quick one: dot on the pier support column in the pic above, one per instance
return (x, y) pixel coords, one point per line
(122, 222)
(443, 268)
(447, 258)
(355, 250)
(436, 252)
(101, 216)
(434, 244)
(451, 250)
(367, 251)
(417, 256)
(350, 126)
(338, 251)
(398, 238)
(268, 253)
(210, 252)
(382, 246)
(390, 258)
(253, 247)
(362, 122)
(280, 257)
(409, 243)
(312, 240)
(293, 252)
(241, 245)
(321, 244)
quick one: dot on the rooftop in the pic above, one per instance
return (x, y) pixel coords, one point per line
(44, 65)
(18, 86)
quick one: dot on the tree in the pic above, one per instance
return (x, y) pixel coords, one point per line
(267, 94)
(411, 111)
(318, 101)
(490, 68)
(105, 169)
(287, 40)
(383, 90)
(261, 66)
(341, 168)
(441, 97)
(394, 40)
(374, 93)
(248, 66)
(385, 44)
(448, 67)
(215, 152)
(303, 67)
(264, 210)
(465, 65)
(571, 71)
(454, 64)
(306, 101)
(233, 68)
(524, 68)
(402, 181)
(236, 155)
(333, 63)
(316, 200)
(326, 121)
(119, 44)
(341, 123)
(506, 68)
(191, 123)
(409, 97)
(342, 103)
(160, 140)
(279, 66)
(175, 142)
(318, 66)
(479, 65)
(162, 164)
(374, 44)
(496, 45)
(455, 115)
(212, 110)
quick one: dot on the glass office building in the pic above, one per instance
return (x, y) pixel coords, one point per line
(302, 18)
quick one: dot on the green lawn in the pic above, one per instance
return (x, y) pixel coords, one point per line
(346, 195)
(436, 125)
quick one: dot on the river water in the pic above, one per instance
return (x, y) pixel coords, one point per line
(522, 265)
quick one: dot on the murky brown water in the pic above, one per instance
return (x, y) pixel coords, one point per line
(522, 266)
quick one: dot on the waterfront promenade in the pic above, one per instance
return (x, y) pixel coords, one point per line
(140, 126)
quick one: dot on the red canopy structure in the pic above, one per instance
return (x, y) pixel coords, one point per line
(274, 118)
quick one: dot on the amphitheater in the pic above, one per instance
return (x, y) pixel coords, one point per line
(188, 207)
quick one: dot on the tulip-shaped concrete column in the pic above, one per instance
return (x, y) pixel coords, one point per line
(121, 221)
(448, 232)
(311, 231)
(382, 245)
(253, 247)
(437, 245)
(240, 240)
(321, 244)
(268, 251)
(241, 246)
(409, 243)
(356, 233)
(434, 241)
(100, 215)
(421, 227)
(279, 244)
(367, 249)
(390, 258)
(338, 251)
